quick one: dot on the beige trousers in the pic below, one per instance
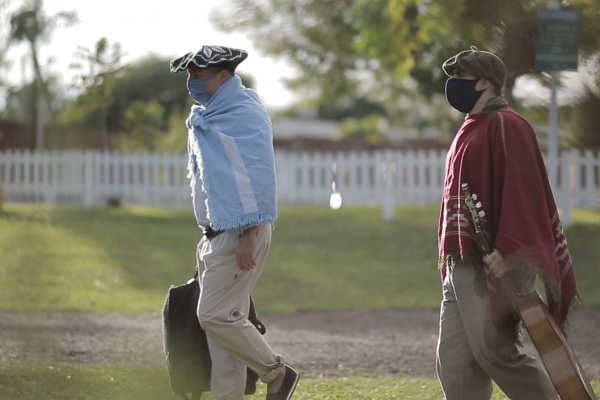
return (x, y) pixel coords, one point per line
(233, 341)
(471, 352)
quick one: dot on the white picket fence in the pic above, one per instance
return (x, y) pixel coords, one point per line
(386, 178)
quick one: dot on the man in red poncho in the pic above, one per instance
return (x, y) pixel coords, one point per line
(497, 154)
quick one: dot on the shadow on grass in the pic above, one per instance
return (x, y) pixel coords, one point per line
(72, 381)
(151, 249)
(66, 258)
(319, 260)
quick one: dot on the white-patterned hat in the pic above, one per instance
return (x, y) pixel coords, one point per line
(210, 56)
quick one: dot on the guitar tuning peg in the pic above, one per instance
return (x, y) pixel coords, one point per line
(474, 196)
(478, 205)
(482, 214)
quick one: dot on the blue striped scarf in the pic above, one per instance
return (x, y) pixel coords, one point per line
(231, 151)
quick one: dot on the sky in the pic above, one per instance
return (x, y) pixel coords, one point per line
(166, 27)
(174, 27)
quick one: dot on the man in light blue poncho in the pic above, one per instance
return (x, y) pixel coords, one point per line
(232, 175)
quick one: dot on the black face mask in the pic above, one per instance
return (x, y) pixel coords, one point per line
(461, 93)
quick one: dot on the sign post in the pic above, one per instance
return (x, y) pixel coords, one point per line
(556, 49)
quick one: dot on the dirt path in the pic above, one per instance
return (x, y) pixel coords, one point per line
(383, 343)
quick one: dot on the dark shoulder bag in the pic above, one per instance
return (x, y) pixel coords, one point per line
(185, 345)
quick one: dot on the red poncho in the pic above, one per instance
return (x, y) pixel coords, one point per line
(507, 172)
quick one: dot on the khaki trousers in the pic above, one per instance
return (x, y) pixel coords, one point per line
(233, 341)
(471, 352)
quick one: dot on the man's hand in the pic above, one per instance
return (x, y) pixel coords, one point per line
(497, 265)
(246, 249)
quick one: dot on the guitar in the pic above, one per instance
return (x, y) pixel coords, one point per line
(558, 359)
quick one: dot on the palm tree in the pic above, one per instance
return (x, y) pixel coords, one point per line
(30, 24)
(4, 34)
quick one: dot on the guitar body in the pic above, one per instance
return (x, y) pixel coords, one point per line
(560, 363)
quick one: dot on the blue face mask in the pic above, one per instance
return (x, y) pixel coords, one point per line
(198, 91)
(461, 94)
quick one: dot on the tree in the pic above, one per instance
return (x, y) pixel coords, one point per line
(586, 120)
(148, 79)
(589, 38)
(350, 108)
(4, 32)
(30, 24)
(340, 46)
(143, 122)
(103, 66)
(370, 128)
(110, 91)
(316, 36)
(20, 101)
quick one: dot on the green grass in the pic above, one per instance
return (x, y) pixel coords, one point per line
(27, 381)
(107, 260)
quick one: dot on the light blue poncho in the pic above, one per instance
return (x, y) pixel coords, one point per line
(230, 146)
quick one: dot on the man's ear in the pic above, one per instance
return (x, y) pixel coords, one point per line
(483, 84)
(223, 75)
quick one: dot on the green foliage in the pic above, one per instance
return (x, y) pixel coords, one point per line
(317, 36)
(589, 29)
(442, 28)
(585, 120)
(147, 80)
(19, 103)
(371, 128)
(387, 33)
(538, 114)
(174, 140)
(103, 64)
(350, 108)
(143, 104)
(19, 99)
(348, 48)
(134, 100)
(123, 260)
(143, 124)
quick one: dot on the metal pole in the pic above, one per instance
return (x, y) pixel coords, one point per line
(553, 125)
(553, 135)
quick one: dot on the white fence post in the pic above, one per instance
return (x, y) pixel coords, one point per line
(88, 179)
(565, 187)
(388, 197)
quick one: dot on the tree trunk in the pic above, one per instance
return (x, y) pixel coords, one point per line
(103, 129)
(38, 72)
(39, 126)
(34, 114)
(508, 91)
(40, 94)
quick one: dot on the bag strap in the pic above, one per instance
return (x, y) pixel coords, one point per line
(193, 278)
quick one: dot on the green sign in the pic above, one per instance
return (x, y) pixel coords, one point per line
(556, 40)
